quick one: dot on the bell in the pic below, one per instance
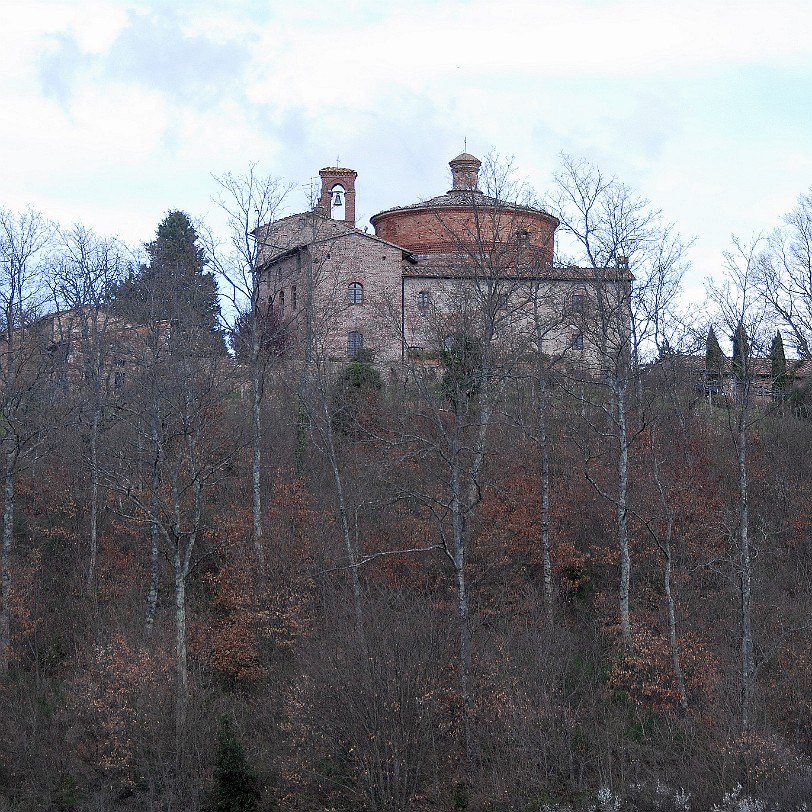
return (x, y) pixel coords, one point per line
(337, 201)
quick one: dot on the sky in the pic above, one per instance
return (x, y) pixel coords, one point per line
(116, 111)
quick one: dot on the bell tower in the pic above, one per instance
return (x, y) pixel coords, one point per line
(338, 193)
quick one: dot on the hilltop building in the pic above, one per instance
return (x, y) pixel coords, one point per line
(460, 262)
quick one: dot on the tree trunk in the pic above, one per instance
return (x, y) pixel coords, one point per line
(544, 465)
(745, 565)
(256, 438)
(154, 540)
(5, 585)
(304, 378)
(349, 546)
(463, 622)
(672, 619)
(621, 505)
(182, 686)
(94, 500)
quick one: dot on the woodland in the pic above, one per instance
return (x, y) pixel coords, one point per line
(236, 576)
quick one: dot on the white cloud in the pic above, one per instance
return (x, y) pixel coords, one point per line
(121, 109)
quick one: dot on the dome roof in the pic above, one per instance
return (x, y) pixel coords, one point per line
(465, 157)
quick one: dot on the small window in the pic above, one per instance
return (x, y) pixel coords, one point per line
(423, 299)
(282, 302)
(355, 343)
(578, 342)
(578, 303)
(293, 297)
(355, 293)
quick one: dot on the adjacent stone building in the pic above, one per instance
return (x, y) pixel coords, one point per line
(460, 263)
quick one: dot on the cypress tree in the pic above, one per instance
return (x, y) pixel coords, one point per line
(778, 363)
(741, 354)
(714, 357)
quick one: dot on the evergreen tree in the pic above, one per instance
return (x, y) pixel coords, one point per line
(714, 357)
(174, 286)
(741, 353)
(354, 393)
(665, 350)
(236, 786)
(778, 363)
(462, 361)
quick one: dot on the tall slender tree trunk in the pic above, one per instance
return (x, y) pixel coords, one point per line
(181, 659)
(622, 509)
(349, 546)
(673, 640)
(463, 620)
(154, 535)
(671, 609)
(304, 378)
(5, 575)
(94, 500)
(463, 502)
(745, 566)
(256, 439)
(544, 471)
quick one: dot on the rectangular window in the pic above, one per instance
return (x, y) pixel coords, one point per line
(355, 342)
(293, 297)
(423, 299)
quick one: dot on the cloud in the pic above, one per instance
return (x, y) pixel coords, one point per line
(191, 70)
(61, 66)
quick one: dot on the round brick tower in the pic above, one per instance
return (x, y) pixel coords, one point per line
(441, 228)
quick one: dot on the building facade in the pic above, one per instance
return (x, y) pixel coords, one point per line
(463, 262)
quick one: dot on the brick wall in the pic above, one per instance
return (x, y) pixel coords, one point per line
(336, 259)
(445, 229)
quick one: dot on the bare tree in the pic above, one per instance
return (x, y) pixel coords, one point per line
(83, 273)
(612, 230)
(742, 310)
(184, 455)
(250, 202)
(23, 238)
(480, 325)
(785, 274)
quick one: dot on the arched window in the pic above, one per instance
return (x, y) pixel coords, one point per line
(355, 293)
(337, 200)
(281, 302)
(423, 299)
(355, 343)
(578, 302)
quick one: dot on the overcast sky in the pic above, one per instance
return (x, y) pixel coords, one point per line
(114, 112)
